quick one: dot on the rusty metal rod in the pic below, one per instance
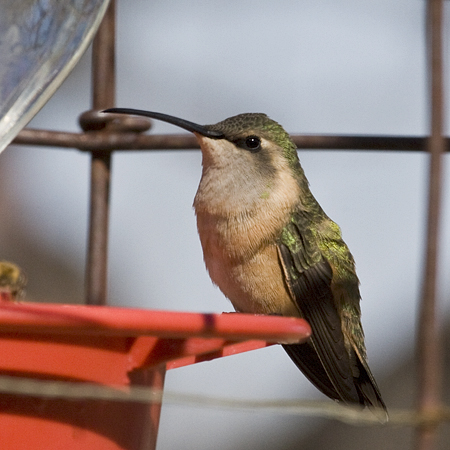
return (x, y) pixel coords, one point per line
(106, 141)
(103, 96)
(428, 338)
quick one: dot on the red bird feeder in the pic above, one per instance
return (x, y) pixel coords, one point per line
(112, 347)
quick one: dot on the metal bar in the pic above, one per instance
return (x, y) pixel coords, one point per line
(96, 268)
(106, 141)
(103, 96)
(103, 61)
(428, 339)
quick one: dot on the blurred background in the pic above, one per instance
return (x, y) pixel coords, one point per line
(347, 67)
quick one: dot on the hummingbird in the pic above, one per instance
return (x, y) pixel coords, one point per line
(271, 249)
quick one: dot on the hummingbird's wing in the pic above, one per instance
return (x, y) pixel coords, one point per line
(336, 366)
(324, 359)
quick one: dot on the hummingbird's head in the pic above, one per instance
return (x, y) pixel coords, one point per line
(246, 159)
(252, 139)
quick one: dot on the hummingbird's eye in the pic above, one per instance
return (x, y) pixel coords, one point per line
(250, 143)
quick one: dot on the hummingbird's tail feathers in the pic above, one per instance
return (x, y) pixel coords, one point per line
(369, 393)
(306, 359)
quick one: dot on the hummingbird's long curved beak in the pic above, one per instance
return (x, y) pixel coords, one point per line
(185, 124)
